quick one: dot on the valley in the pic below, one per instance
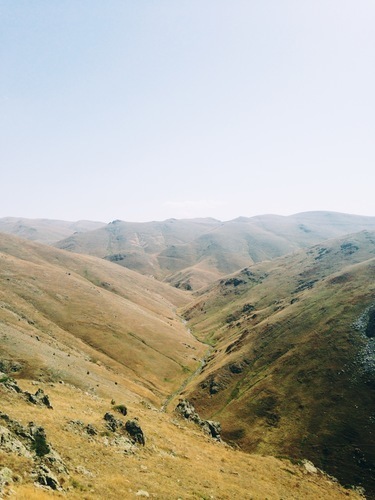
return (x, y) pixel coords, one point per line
(264, 324)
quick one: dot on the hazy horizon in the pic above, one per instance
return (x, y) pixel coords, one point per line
(145, 111)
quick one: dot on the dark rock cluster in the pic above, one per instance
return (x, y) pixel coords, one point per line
(210, 427)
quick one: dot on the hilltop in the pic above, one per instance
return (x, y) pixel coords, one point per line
(193, 253)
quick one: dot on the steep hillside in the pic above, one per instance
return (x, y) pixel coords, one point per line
(46, 231)
(192, 253)
(293, 370)
(65, 315)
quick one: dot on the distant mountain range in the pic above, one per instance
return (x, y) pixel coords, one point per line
(191, 253)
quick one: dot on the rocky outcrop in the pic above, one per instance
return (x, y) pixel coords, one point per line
(45, 477)
(39, 398)
(113, 424)
(210, 427)
(131, 427)
(135, 432)
(10, 443)
(31, 442)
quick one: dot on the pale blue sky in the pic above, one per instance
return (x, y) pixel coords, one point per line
(149, 109)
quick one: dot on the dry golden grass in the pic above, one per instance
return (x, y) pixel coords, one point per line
(178, 461)
(65, 316)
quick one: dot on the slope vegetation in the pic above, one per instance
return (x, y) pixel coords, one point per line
(65, 316)
(87, 458)
(293, 371)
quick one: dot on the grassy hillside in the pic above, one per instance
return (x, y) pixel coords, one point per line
(293, 371)
(192, 253)
(101, 346)
(46, 231)
(91, 461)
(65, 316)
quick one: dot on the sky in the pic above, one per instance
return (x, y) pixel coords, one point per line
(145, 110)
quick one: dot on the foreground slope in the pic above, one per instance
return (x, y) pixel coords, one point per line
(87, 459)
(293, 371)
(192, 253)
(65, 315)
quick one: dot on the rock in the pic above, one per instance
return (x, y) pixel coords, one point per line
(135, 432)
(187, 410)
(39, 398)
(11, 384)
(85, 472)
(9, 442)
(124, 444)
(112, 423)
(142, 493)
(40, 444)
(6, 478)
(9, 366)
(213, 428)
(90, 429)
(310, 467)
(236, 368)
(46, 478)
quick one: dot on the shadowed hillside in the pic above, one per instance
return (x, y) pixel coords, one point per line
(190, 254)
(293, 370)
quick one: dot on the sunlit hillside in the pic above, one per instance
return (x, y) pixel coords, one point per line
(65, 315)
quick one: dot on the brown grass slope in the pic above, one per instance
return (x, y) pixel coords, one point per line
(80, 319)
(293, 371)
(45, 231)
(193, 253)
(177, 461)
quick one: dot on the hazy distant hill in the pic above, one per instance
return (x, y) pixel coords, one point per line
(46, 231)
(293, 370)
(192, 253)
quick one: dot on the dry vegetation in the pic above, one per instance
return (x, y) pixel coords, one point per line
(281, 373)
(178, 460)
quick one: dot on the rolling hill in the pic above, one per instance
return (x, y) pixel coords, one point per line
(193, 253)
(63, 315)
(102, 347)
(293, 367)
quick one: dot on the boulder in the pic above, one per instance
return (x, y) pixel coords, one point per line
(46, 478)
(112, 423)
(135, 432)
